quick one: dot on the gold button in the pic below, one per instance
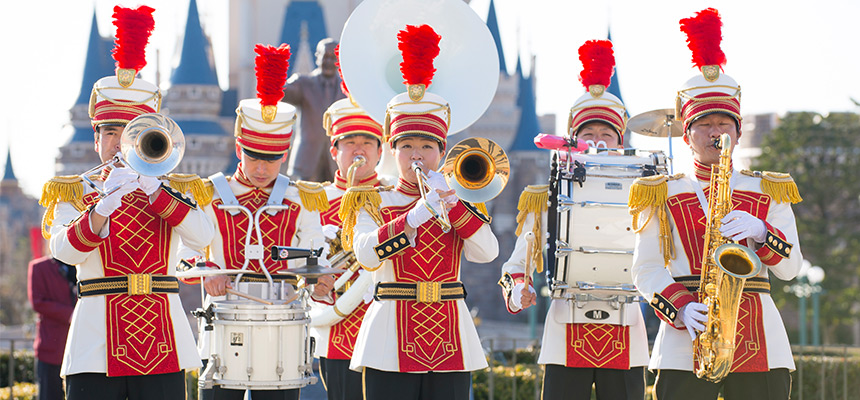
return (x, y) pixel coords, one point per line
(402, 240)
(396, 245)
(661, 305)
(779, 246)
(672, 315)
(787, 250)
(388, 248)
(380, 252)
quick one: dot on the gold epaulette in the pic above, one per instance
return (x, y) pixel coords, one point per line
(351, 203)
(779, 186)
(185, 183)
(535, 200)
(313, 195)
(652, 192)
(68, 189)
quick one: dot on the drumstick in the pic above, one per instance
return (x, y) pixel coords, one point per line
(530, 241)
(248, 296)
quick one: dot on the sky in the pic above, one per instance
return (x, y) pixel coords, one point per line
(800, 56)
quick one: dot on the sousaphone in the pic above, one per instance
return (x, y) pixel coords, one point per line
(467, 68)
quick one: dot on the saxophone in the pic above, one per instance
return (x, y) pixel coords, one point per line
(725, 267)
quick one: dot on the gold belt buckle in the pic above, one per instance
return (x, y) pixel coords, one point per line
(429, 292)
(139, 284)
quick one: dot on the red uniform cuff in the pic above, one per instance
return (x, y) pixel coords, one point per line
(507, 282)
(775, 246)
(172, 206)
(81, 235)
(466, 219)
(667, 303)
(392, 238)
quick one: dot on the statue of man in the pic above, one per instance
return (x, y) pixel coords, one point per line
(312, 94)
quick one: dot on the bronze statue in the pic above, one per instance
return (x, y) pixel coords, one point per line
(312, 94)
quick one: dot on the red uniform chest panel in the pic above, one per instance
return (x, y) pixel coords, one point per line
(140, 337)
(690, 220)
(428, 334)
(330, 217)
(342, 335)
(276, 230)
(598, 346)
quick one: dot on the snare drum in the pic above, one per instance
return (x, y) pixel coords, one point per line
(594, 238)
(262, 347)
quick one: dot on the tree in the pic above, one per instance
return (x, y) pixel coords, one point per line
(822, 153)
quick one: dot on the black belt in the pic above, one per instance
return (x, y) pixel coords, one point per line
(424, 292)
(131, 284)
(751, 285)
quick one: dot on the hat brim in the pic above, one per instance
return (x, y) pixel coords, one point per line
(737, 123)
(261, 156)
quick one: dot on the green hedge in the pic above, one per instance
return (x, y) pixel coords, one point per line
(841, 375)
(24, 367)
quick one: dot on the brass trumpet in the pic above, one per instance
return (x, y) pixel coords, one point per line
(357, 162)
(151, 144)
(477, 169)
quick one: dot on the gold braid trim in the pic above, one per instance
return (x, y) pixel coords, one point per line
(351, 203)
(534, 199)
(313, 195)
(185, 183)
(68, 189)
(652, 192)
(779, 186)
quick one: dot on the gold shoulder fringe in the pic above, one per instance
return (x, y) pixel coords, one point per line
(313, 195)
(351, 203)
(68, 189)
(482, 207)
(651, 192)
(534, 200)
(192, 183)
(779, 186)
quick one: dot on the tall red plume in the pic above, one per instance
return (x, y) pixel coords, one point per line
(598, 61)
(343, 87)
(133, 27)
(271, 67)
(704, 36)
(419, 46)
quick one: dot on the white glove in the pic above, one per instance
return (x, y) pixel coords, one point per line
(694, 316)
(437, 181)
(419, 214)
(126, 180)
(738, 225)
(149, 184)
(516, 298)
(330, 232)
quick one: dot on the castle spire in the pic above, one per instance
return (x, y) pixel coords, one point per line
(493, 25)
(528, 126)
(9, 174)
(195, 65)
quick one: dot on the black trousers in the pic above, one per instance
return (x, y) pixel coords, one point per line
(384, 385)
(339, 381)
(231, 394)
(560, 382)
(771, 385)
(93, 386)
(49, 381)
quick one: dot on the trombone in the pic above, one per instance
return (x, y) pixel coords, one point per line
(151, 144)
(477, 169)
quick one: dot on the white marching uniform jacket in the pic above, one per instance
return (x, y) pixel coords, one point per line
(146, 333)
(577, 345)
(670, 283)
(297, 226)
(409, 335)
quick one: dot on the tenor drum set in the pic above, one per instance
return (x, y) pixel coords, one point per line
(591, 238)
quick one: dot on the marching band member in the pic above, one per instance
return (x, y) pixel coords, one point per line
(577, 355)
(670, 243)
(129, 335)
(264, 126)
(417, 340)
(354, 137)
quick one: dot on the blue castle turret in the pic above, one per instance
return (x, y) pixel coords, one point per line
(303, 15)
(528, 126)
(493, 26)
(194, 101)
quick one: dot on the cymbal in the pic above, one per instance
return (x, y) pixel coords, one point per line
(197, 272)
(656, 123)
(312, 271)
